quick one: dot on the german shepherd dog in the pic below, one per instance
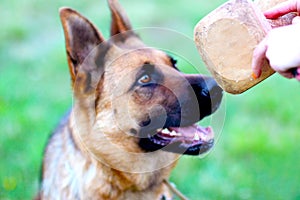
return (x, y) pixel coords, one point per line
(134, 113)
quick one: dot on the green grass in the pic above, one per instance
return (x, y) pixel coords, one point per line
(256, 156)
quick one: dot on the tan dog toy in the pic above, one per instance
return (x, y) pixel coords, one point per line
(227, 37)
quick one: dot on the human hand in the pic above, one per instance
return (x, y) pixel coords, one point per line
(282, 9)
(282, 45)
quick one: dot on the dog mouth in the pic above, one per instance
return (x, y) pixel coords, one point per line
(190, 140)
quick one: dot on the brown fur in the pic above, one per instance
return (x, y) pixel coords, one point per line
(95, 152)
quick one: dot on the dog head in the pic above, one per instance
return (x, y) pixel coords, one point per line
(132, 96)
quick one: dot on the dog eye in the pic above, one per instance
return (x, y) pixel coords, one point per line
(145, 79)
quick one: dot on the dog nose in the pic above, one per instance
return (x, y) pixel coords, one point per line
(214, 92)
(208, 93)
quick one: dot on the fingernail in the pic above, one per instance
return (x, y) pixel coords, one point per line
(254, 76)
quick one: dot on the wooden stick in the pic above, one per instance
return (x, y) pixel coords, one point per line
(175, 190)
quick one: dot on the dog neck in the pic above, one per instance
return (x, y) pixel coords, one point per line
(124, 185)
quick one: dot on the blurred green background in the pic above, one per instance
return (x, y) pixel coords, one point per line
(255, 157)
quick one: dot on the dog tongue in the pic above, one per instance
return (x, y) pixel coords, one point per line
(195, 132)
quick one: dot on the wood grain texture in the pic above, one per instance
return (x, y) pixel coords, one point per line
(226, 39)
(264, 5)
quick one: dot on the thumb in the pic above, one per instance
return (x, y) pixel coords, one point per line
(259, 55)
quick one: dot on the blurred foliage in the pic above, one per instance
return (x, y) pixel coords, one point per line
(255, 156)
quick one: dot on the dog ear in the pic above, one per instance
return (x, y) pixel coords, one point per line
(120, 22)
(81, 38)
(121, 27)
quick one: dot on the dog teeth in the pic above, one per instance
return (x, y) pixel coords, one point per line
(159, 130)
(196, 137)
(173, 133)
(166, 131)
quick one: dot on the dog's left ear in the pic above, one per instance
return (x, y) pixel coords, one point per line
(120, 22)
(121, 27)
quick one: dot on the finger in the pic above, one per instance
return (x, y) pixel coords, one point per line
(282, 9)
(259, 56)
(296, 20)
(286, 74)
